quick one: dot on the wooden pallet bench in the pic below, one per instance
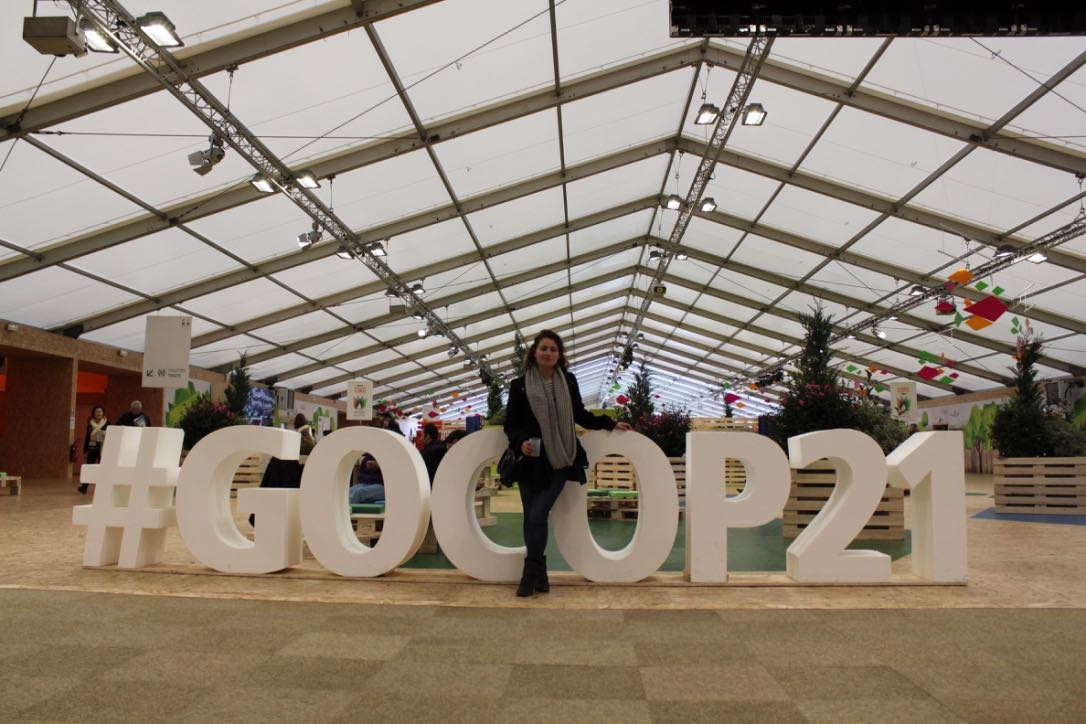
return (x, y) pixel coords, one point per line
(13, 483)
(1040, 486)
(811, 488)
(249, 473)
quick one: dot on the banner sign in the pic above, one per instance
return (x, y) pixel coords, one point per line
(144, 462)
(360, 399)
(903, 401)
(166, 352)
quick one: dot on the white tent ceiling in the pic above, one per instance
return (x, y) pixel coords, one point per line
(528, 194)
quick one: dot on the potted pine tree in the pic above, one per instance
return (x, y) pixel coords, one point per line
(1041, 467)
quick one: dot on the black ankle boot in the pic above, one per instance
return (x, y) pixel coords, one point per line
(83, 488)
(542, 583)
(527, 579)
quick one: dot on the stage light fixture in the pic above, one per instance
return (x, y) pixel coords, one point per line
(377, 249)
(707, 205)
(307, 179)
(452, 350)
(422, 333)
(417, 288)
(203, 161)
(159, 29)
(309, 238)
(878, 332)
(681, 256)
(1037, 257)
(1004, 250)
(673, 202)
(917, 290)
(754, 114)
(95, 39)
(262, 183)
(655, 255)
(344, 252)
(390, 292)
(708, 113)
(417, 316)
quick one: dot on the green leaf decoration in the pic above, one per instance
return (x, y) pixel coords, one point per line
(958, 319)
(851, 368)
(880, 388)
(997, 291)
(981, 286)
(946, 380)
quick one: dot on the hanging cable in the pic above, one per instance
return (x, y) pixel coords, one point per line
(22, 113)
(230, 69)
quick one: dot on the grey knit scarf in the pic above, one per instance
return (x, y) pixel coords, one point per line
(554, 412)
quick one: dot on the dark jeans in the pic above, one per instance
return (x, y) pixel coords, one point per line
(537, 501)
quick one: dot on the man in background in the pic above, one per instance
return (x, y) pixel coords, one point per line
(135, 417)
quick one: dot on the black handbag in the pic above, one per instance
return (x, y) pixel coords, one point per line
(509, 468)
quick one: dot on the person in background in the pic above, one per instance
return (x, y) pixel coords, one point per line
(544, 407)
(369, 486)
(94, 439)
(388, 422)
(433, 449)
(308, 441)
(135, 417)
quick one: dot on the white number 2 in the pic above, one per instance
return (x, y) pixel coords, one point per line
(818, 554)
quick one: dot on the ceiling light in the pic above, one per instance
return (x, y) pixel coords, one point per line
(422, 333)
(707, 205)
(1037, 257)
(655, 255)
(482, 358)
(707, 114)
(310, 237)
(673, 202)
(452, 350)
(307, 179)
(377, 249)
(344, 252)
(390, 292)
(754, 114)
(418, 316)
(850, 335)
(159, 29)
(681, 255)
(95, 39)
(1004, 250)
(917, 290)
(417, 287)
(879, 333)
(640, 335)
(262, 183)
(892, 318)
(203, 161)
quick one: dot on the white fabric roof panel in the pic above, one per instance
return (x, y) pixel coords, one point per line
(502, 60)
(514, 151)
(815, 216)
(628, 116)
(158, 262)
(441, 81)
(34, 186)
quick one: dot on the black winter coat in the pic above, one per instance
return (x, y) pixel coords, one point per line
(521, 425)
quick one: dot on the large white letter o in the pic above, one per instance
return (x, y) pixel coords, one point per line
(462, 540)
(657, 523)
(326, 520)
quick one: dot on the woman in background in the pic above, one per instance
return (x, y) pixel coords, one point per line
(94, 439)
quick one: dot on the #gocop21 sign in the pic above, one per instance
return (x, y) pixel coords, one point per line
(134, 504)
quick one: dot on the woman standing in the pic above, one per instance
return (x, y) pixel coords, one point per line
(94, 439)
(543, 406)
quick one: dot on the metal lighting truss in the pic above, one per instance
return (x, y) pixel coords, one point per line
(116, 22)
(1071, 230)
(755, 57)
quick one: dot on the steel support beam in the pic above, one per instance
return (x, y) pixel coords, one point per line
(875, 203)
(942, 121)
